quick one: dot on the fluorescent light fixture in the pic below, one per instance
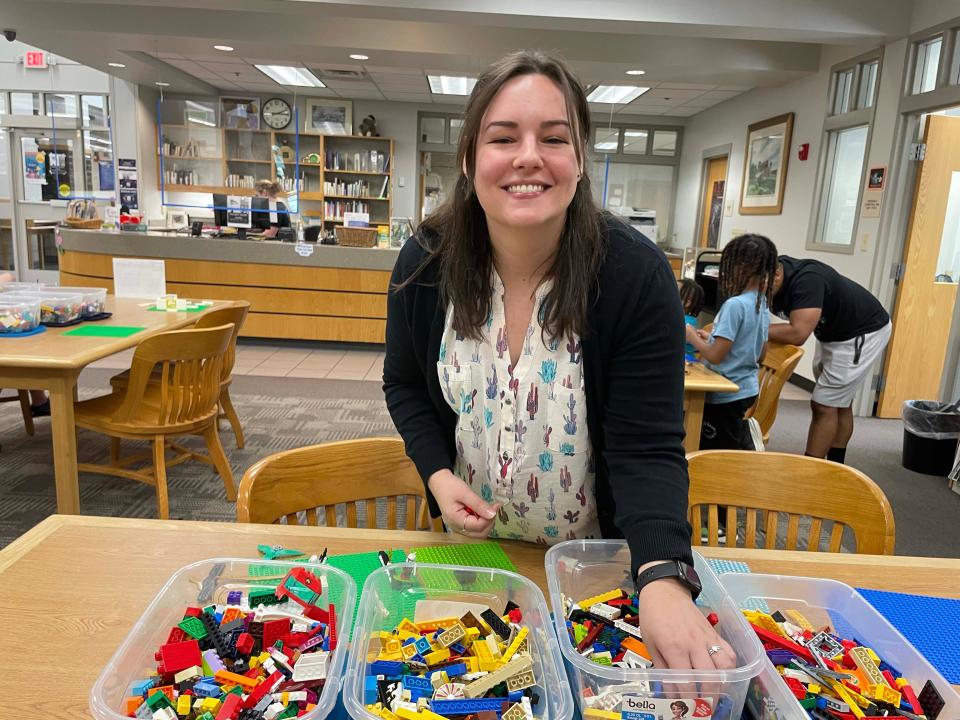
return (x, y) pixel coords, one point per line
(358, 56)
(616, 94)
(198, 121)
(224, 48)
(116, 65)
(636, 72)
(451, 84)
(288, 75)
(158, 83)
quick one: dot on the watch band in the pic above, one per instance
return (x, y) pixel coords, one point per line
(673, 568)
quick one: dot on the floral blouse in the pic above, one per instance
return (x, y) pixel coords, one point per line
(522, 435)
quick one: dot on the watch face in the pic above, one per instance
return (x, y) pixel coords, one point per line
(276, 113)
(691, 576)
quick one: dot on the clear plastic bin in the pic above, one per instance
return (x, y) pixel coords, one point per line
(391, 593)
(831, 602)
(579, 568)
(17, 287)
(18, 314)
(55, 307)
(94, 299)
(135, 657)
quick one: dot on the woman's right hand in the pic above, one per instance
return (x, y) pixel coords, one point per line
(462, 509)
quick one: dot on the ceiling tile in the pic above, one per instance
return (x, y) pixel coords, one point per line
(224, 58)
(341, 84)
(362, 94)
(685, 111)
(407, 97)
(666, 95)
(391, 70)
(735, 88)
(634, 109)
(685, 86)
(222, 67)
(713, 97)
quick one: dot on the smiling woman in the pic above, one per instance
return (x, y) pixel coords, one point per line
(534, 363)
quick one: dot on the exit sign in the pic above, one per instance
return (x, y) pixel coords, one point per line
(36, 59)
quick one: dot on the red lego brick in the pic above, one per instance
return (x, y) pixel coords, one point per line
(273, 630)
(515, 615)
(230, 708)
(174, 657)
(782, 642)
(332, 625)
(192, 612)
(592, 635)
(796, 687)
(713, 619)
(245, 643)
(176, 635)
(265, 687)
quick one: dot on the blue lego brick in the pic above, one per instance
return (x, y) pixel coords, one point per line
(466, 707)
(141, 686)
(458, 649)
(203, 689)
(422, 645)
(515, 696)
(370, 689)
(418, 687)
(455, 670)
(385, 667)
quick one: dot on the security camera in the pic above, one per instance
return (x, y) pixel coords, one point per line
(10, 35)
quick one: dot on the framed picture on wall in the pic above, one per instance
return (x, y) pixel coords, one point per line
(240, 113)
(765, 166)
(328, 116)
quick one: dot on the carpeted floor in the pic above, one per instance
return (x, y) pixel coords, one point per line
(282, 413)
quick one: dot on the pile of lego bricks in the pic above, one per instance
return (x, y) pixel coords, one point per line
(604, 629)
(470, 666)
(260, 656)
(836, 678)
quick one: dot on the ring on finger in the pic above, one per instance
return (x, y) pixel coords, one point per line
(714, 649)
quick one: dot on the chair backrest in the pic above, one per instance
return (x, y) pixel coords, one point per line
(800, 487)
(235, 314)
(316, 479)
(189, 379)
(775, 369)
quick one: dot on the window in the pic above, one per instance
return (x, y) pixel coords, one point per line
(927, 64)
(840, 189)
(456, 127)
(664, 143)
(606, 140)
(4, 166)
(842, 89)
(3, 103)
(94, 111)
(867, 93)
(636, 185)
(432, 130)
(635, 142)
(98, 161)
(60, 105)
(955, 70)
(24, 103)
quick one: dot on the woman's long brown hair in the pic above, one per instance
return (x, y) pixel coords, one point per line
(456, 233)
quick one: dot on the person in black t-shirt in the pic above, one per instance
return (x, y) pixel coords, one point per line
(852, 329)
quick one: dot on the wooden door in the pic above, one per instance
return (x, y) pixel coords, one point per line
(714, 185)
(924, 307)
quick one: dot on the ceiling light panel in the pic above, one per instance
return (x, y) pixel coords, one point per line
(616, 94)
(289, 75)
(451, 84)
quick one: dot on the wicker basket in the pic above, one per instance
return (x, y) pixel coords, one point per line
(92, 224)
(356, 237)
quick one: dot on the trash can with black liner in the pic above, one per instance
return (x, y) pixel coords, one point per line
(930, 434)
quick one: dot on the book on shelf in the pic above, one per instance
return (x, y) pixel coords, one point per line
(383, 190)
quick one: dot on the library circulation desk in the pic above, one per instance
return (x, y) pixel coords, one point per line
(336, 293)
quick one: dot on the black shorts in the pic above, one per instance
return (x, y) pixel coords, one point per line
(724, 427)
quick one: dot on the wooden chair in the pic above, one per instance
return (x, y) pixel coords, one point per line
(24, 397)
(775, 369)
(235, 314)
(320, 477)
(182, 402)
(770, 483)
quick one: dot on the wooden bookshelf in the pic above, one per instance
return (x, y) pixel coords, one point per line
(225, 142)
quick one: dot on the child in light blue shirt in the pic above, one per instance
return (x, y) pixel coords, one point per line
(738, 340)
(691, 295)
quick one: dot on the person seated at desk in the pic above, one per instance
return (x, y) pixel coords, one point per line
(279, 216)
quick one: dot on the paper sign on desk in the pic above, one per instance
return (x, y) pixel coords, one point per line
(136, 278)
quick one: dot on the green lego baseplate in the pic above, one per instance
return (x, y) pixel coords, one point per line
(484, 554)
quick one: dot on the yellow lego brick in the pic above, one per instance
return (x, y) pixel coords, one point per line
(386, 714)
(472, 664)
(437, 657)
(886, 693)
(483, 657)
(408, 651)
(598, 714)
(398, 655)
(493, 645)
(407, 625)
(798, 619)
(210, 705)
(404, 635)
(813, 689)
(515, 645)
(424, 714)
(434, 625)
(612, 595)
(453, 634)
(183, 705)
(767, 622)
(848, 698)
(472, 634)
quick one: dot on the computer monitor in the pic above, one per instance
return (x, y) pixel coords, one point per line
(220, 210)
(260, 217)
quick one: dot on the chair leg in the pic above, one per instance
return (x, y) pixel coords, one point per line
(25, 410)
(227, 406)
(114, 449)
(160, 473)
(220, 461)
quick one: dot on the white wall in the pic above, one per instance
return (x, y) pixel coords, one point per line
(807, 99)
(927, 13)
(66, 75)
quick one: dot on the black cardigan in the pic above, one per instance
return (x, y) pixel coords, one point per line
(633, 363)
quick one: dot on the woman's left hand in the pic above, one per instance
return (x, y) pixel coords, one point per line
(677, 634)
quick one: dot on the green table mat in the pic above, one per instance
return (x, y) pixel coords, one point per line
(108, 331)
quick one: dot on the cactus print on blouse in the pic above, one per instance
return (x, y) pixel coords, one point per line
(522, 435)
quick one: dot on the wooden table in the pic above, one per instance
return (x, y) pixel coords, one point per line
(51, 362)
(697, 382)
(73, 586)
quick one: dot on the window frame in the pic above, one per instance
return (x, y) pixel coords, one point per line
(834, 124)
(946, 93)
